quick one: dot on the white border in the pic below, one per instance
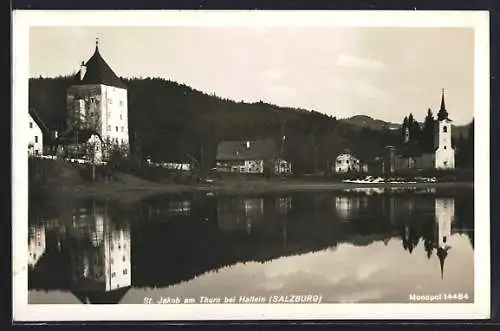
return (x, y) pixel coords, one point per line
(23, 20)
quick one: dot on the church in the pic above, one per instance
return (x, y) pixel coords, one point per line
(97, 112)
(413, 155)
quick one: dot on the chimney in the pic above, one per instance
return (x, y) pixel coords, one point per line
(83, 70)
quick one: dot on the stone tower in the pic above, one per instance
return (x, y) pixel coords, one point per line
(444, 154)
(97, 101)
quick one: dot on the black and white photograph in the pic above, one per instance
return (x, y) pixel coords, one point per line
(207, 165)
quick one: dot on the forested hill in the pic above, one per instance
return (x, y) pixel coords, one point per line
(170, 121)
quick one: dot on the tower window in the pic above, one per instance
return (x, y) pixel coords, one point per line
(31, 125)
(36, 139)
(122, 128)
(109, 127)
(110, 101)
(444, 147)
(121, 102)
(125, 271)
(113, 274)
(445, 129)
(121, 116)
(116, 129)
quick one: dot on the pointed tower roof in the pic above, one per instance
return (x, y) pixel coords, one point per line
(442, 253)
(98, 72)
(443, 113)
(101, 297)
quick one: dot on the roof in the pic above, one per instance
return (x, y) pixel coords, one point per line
(101, 297)
(74, 136)
(238, 150)
(98, 72)
(38, 120)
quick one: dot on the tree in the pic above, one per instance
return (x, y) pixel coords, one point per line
(428, 131)
(404, 127)
(414, 128)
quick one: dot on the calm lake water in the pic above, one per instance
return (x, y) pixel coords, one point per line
(343, 246)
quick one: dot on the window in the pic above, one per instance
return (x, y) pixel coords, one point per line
(109, 127)
(125, 271)
(445, 129)
(121, 102)
(122, 128)
(111, 260)
(110, 101)
(31, 125)
(121, 116)
(124, 258)
(36, 139)
(37, 152)
(113, 275)
(116, 129)
(444, 147)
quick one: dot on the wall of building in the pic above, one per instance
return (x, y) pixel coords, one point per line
(445, 154)
(345, 163)
(83, 105)
(35, 142)
(282, 167)
(115, 119)
(118, 264)
(445, 210)
(101, 108)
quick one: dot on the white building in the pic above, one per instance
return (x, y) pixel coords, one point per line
(97, 101)
(346, 162)
(444, 154)
(36, 244)
(35, 143)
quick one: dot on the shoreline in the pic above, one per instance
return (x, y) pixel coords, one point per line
(145, 188)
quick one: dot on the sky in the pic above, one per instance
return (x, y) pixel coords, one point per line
(385, 73)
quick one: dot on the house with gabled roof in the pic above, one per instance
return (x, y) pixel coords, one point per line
(251, 157)
(82, 144)
(36, 131)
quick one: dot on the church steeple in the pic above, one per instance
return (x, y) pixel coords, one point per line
(443, 113)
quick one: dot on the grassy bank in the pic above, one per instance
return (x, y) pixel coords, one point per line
(55, 177)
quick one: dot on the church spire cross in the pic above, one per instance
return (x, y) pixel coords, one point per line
(96, 43)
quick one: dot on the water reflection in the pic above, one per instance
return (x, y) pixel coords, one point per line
(98, 251)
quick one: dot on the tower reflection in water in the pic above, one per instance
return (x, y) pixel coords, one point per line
(445, 211)
(100, 257)
(97, 249)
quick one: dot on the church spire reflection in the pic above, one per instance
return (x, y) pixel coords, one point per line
(445, 209)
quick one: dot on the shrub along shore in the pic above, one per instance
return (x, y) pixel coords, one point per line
(57, 177)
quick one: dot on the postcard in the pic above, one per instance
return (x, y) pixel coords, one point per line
(250, 165)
